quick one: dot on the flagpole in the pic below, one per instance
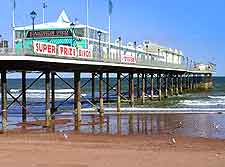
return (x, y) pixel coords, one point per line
(87, 23)
(43, 10)
(109, 36)
(109, 33)
(13, 23)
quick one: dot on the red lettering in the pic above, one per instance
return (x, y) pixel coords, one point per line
(65, 51)
(49, 48)
(53, 49)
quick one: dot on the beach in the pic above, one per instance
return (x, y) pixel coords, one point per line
(80, 150)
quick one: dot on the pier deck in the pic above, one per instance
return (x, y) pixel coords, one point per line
(26, 60)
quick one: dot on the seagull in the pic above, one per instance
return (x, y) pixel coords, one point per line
(65, 136)
(172, 140)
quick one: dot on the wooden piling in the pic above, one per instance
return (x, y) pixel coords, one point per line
(143, 88)
(118, 92)
(177, 85)
(171, 85)
(152, 86)
(24, 112)
(47, 99)
(93, 87)
(146, 83)
(77, 102)
(181, 84)
(132, 89)
(107, 87)
(138, 85)
(194, 81)
(166, 85)
(191, 82)
(159, 86)
(4, 100)
(53, 94)
(101, 100)
(187, 82)
(129, 85)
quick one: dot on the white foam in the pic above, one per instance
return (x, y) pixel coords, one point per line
(216, 97)
(202, 103)
(40, 94)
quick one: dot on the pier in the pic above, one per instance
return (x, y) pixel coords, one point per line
(151, 80)
(143, 71)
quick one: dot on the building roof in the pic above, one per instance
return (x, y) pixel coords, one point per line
(62, 22)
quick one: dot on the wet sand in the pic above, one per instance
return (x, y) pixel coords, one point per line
(81, 150)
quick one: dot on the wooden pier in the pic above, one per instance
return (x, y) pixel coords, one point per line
(145, 81)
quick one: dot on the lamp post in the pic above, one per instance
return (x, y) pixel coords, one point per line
(99, 43)
(119, 39)
(146, 53)
(72, 25)
(135, 49)
(187, 62)
(33, 15)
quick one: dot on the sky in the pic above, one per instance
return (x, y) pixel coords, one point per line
(194, 26)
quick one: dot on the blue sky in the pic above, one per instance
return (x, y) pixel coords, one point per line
(195, 27)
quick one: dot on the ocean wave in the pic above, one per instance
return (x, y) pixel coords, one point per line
(216, 97)
(40, 94)
(202, 103)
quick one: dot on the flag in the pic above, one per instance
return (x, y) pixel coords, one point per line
(44, 5)
(110, 7)
(14, 4)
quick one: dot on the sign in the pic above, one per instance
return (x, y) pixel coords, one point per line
(61, 50)
(44, 48)
(74, 52)
(69, 51)
(128, 58)
(49, 33)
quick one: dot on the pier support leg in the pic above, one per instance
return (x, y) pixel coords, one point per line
(118, 92)
(159, 87)
(143, 88)
(132, 89)
(166, 86)
(171, 85)
(181, 84)
(138, 85)
(24, 112)
(107, 87)
(146, 83)
(129, 86)
(93, 87)
(177, 85)
(53, 95)
(47, 99)
(187, 83)
(196, 81)
(101, 95)
(4, 100)
(152, 86)
(77, 102)
(191, 83)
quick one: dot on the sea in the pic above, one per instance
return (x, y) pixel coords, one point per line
(193, 122)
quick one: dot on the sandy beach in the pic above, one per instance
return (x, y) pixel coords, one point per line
(80, 150)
